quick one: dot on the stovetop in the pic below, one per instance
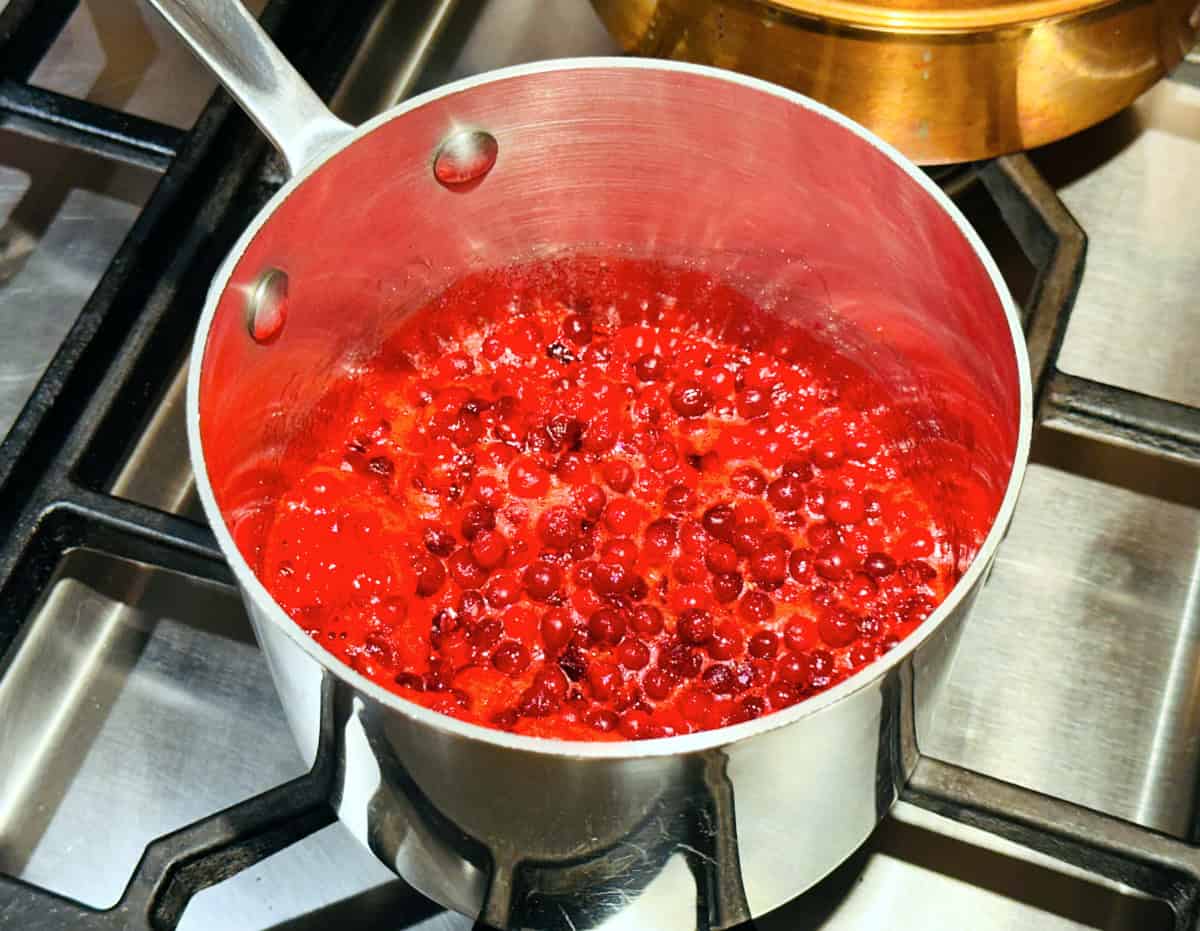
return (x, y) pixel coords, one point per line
(1058, 780)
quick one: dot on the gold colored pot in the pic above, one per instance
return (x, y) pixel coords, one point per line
(942, 81)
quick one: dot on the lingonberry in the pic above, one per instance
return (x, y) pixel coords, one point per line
(571, 451)
(660, 537)
(635, 724)
(753, 402)
(861, 587)
(618, 475)
(606, 627)
(879, 565)
(757, 607)
(726, 642)
(795, 669)
(834, 562)
(650, 367)
(718, 679)
(764, 644)
(769, 565)
(431, 574)
(476, 518)
(558, 527)
(694, 626)
(489, 549)
(659, 683)
(786, 493)
(557, 628)
(690, 399)
(726, 586)
(439, 541)
(749, 481)
(578, 329)
(647, 620)
(633, 654)
(510, 657)
(718, 520)
(844, 507)
(838, 628)
(542, 579)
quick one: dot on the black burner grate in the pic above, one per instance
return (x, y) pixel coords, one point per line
(131, 336)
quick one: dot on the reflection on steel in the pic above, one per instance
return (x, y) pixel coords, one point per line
(465, 157)
(266, 306)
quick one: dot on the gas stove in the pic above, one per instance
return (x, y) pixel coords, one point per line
(147, 776)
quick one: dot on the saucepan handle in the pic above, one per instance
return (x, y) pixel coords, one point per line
(235, 48)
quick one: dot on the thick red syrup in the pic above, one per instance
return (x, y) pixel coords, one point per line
(598, 500)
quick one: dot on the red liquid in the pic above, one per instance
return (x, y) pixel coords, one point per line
(597, 501)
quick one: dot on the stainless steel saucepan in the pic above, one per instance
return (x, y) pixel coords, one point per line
(649, 158)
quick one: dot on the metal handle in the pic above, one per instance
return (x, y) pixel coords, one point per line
(235, 48)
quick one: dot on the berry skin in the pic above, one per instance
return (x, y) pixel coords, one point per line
(695, 626)
(690, 399)
(764, 644)
(786, 493)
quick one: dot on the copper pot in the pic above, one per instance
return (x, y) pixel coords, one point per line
(942, 81)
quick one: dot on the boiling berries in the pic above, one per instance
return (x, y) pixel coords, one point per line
(602, 499)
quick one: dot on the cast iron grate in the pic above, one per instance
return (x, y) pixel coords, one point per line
(133, 332)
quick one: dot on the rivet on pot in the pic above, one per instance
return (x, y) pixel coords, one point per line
(266, 307)
(466, 156)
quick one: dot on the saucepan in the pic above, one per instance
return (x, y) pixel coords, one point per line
(651, 158)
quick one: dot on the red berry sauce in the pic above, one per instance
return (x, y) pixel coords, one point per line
(604, 500)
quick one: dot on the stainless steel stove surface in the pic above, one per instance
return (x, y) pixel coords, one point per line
(135, 700)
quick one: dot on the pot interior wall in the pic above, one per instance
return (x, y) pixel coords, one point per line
(808, 218)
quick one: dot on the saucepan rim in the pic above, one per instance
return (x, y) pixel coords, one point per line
(253, 589)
